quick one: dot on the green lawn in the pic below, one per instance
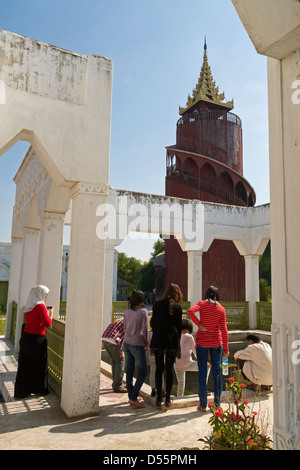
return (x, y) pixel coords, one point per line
(2, 324)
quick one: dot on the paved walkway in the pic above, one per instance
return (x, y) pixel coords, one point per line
(40, 424)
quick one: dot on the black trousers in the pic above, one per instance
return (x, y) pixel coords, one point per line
(164, 359)
(32, 374)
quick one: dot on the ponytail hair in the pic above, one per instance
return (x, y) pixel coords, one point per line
(212, 293)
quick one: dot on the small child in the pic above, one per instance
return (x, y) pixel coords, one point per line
(186, 362)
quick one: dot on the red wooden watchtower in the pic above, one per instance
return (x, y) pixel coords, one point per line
(207, 164)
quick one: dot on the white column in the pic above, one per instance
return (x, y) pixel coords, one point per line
(115, 275)
(14, 280)
(252, 286)
(28, 274)
(194, 276)
(276, 35)
(50, 256)
(109, 276)
(81, 367)
(111, 270)
(284, 122)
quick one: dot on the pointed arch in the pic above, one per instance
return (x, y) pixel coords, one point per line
(250, 200)
(191, 168)
(225, 182)
(207, 173)
(240, 192)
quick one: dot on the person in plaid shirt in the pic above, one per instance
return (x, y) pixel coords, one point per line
(113, 338)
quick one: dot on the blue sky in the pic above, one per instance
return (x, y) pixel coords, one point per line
(157, 49)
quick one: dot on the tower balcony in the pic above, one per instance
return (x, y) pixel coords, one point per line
(204, 190)
(213, 114)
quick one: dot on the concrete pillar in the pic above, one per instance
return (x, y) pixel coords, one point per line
(274, 28)
(14, 280)
(115, 275)
(194, 276)
(252, 246)
(50, 256)
(81, 368)
(28, 274)
(284, 120)
(252, 286)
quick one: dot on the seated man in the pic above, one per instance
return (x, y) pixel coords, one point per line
(255, 362)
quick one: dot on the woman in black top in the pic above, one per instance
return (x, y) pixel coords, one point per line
(166, 324)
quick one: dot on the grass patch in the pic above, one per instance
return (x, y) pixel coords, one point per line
(2, 323)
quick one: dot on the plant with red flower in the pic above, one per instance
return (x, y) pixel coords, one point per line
(235, 428)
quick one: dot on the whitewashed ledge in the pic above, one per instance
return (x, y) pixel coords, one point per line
(240, 335)
(193, 400)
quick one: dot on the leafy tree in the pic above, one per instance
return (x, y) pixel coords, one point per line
(147, 282)
(130, 269)
(158, 247)
(265, 264)
(140, 274)
(265, 274)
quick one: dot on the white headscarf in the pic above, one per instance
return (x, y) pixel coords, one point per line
(36, 296)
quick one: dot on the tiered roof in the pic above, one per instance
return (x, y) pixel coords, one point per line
(206, 89)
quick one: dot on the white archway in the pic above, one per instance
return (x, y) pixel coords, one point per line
(68, 127)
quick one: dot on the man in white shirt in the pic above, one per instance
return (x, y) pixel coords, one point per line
(255, 362)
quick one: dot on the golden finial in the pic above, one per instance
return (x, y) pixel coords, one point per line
(206, 89)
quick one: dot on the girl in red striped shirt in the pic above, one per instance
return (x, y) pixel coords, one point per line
(212, 338)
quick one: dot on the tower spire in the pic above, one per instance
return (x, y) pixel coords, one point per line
(206, 89)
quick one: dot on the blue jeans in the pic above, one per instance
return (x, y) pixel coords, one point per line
(135, 355)
(215, 356)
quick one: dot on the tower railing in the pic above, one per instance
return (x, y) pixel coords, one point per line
(214, 114)
(204, 185)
